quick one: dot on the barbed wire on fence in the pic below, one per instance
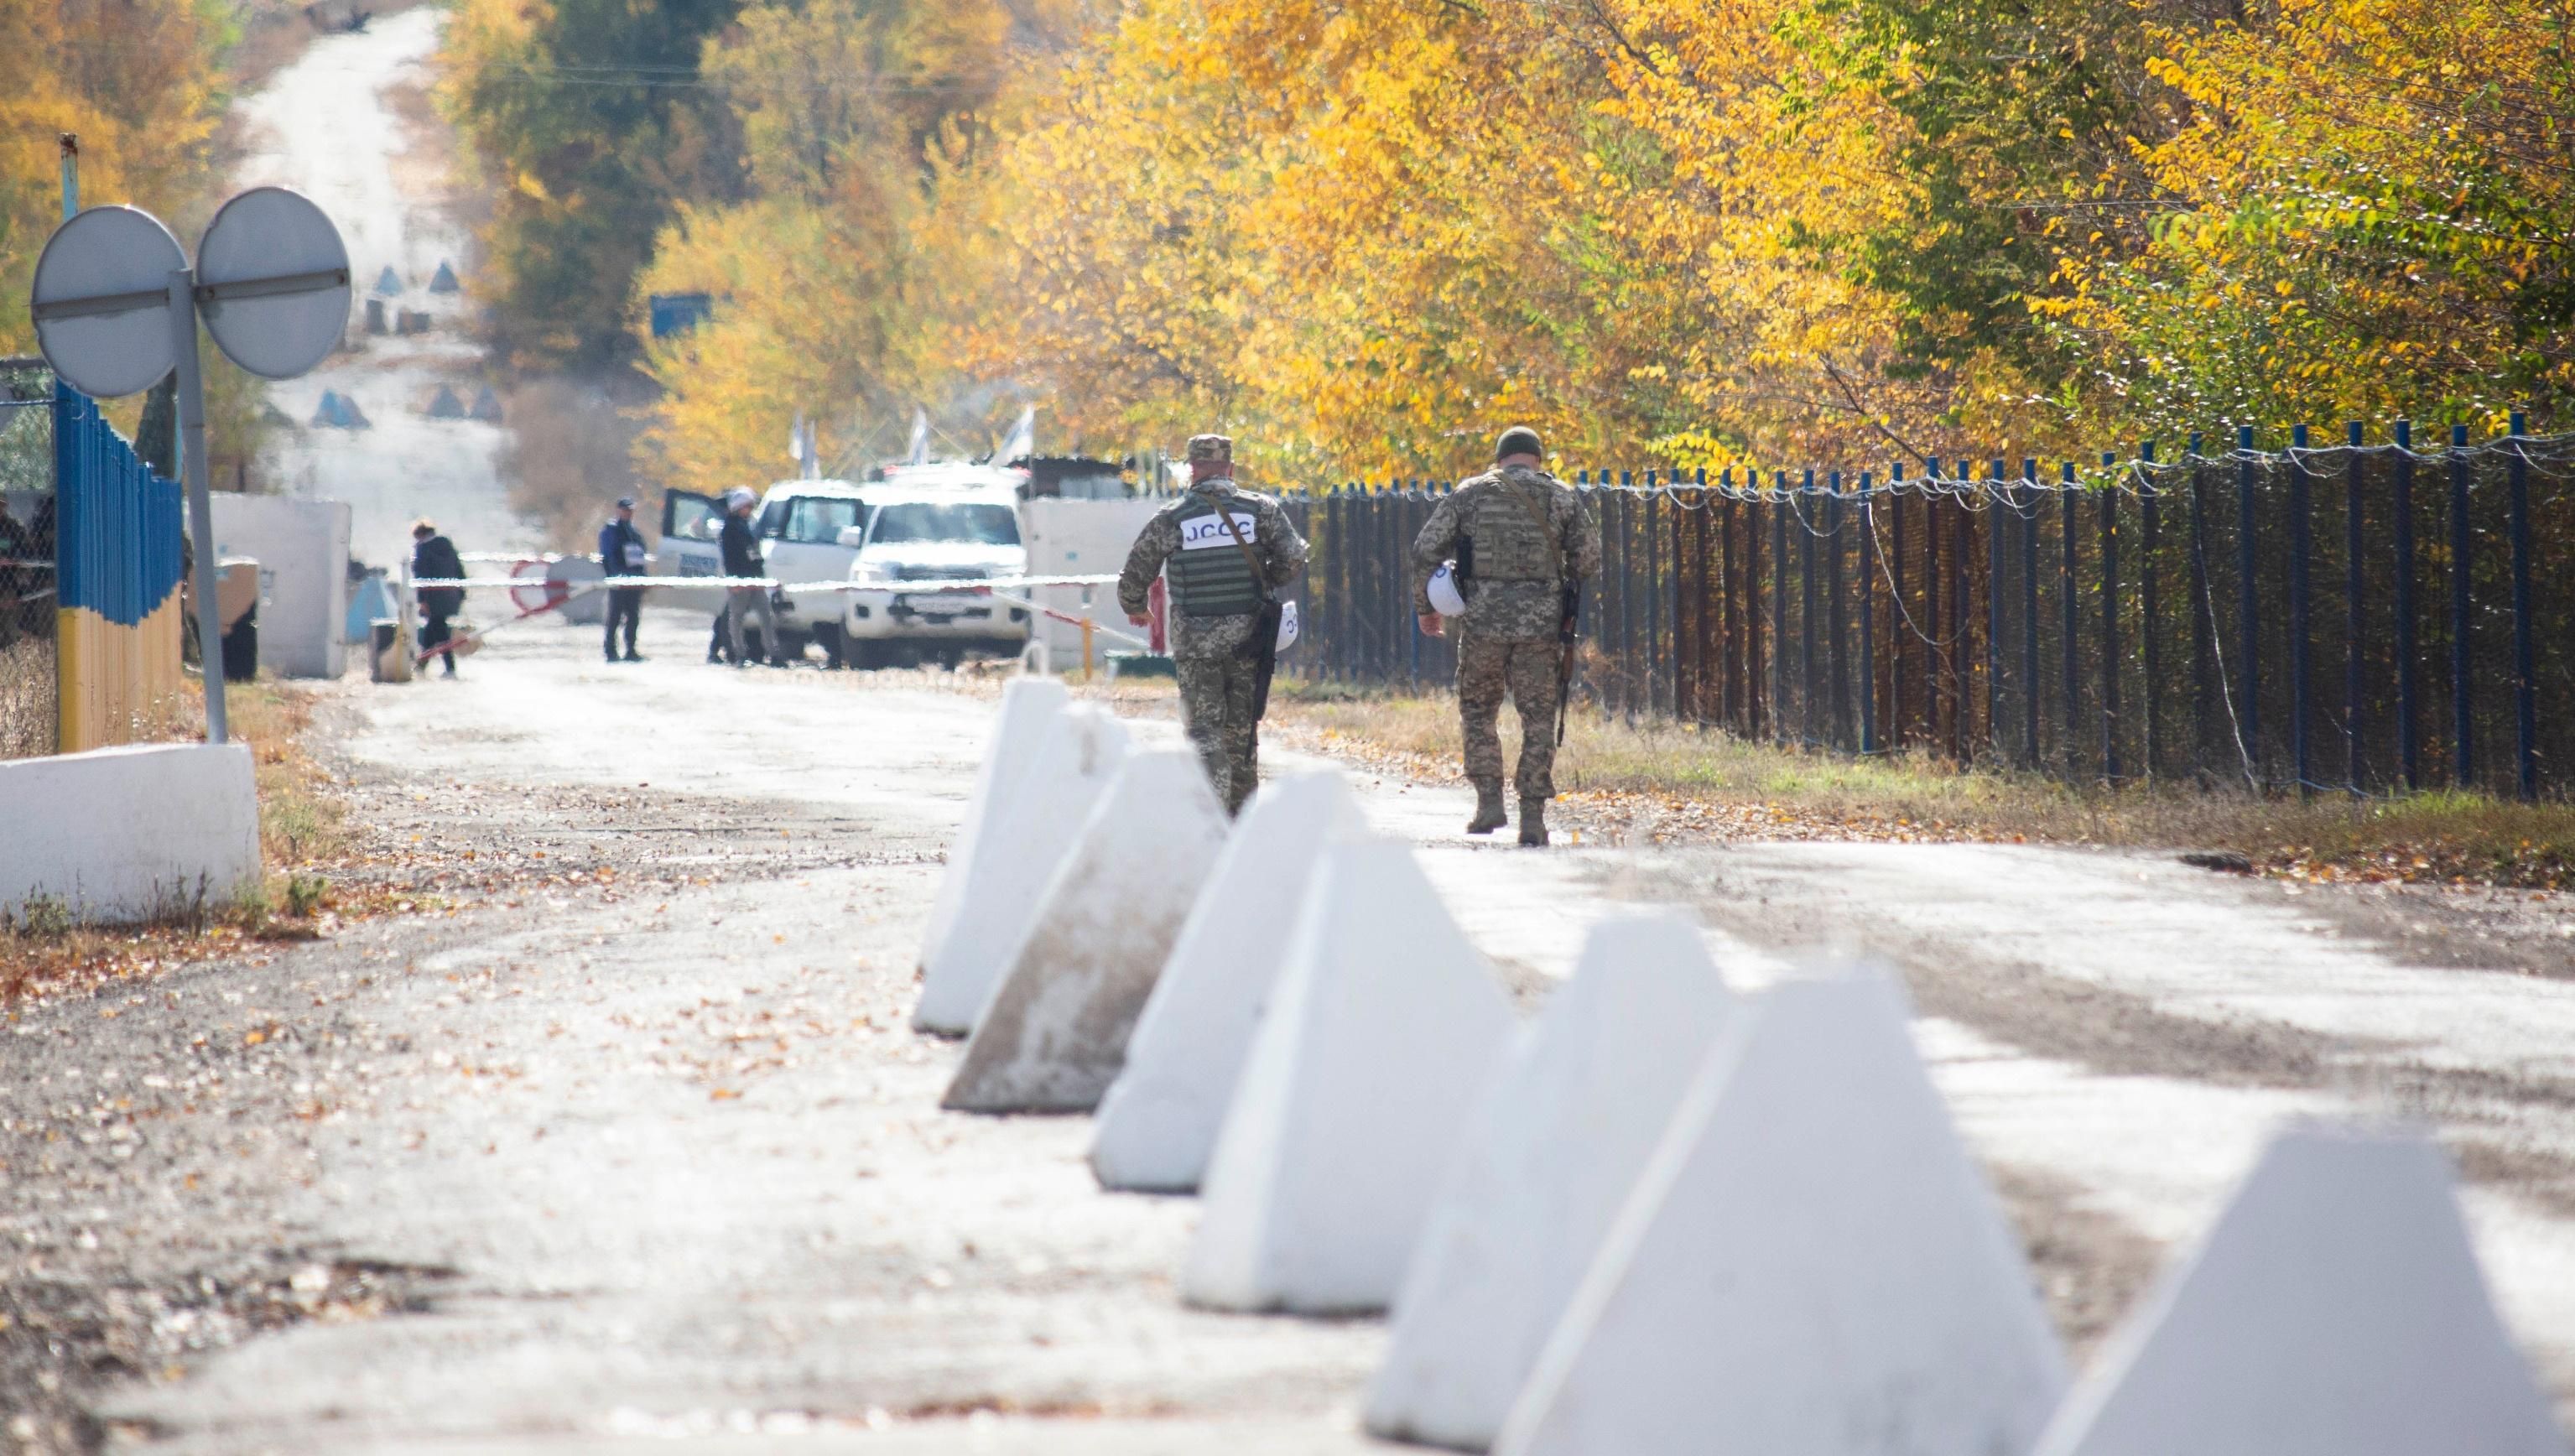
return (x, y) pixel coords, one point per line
(2551, 457)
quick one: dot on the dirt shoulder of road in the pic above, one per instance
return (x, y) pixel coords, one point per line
(1668, 783)
(170, 1085)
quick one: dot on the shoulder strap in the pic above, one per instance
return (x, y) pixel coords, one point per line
(1260, 581)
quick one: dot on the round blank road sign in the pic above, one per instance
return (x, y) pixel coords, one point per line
(273, 282)
(101, 300)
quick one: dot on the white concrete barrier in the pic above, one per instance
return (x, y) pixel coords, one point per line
(1082, 752)
(1809, 1263)
(1054, 1032)
(129, 834)
(1379, 1037)
(2336, 1309)
(1019, 730)
(1549, 1160)
(1158, 1121)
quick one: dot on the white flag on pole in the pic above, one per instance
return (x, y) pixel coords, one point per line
(1022, 440)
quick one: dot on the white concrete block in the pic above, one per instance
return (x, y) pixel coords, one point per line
(302, 547)
(1809, 1265)
(1158, 1122)
(1029, 703)
(1082, 750)
(2336, 1309)
(1382, 1033)
(1549, 1159)
(129, 834)
(1054, 1034)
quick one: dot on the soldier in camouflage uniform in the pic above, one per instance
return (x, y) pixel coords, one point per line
(1220, 578)
(1525, 535)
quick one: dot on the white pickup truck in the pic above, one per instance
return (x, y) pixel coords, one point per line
(922, 536)
(801, 525)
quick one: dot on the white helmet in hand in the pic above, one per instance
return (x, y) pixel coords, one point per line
(1445, 595)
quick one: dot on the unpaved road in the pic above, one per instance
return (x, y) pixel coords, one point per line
(645, 1147)
(348, 124)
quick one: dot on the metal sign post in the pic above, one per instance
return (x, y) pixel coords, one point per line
(272, 284)
(201, 509)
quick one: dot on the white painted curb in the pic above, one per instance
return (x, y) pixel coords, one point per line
(1054, 1032)
(1082, 750)
(2336, 1309)
(129, 834)
(1811, 1263)
(1158, 1122)
(1549, 1161)
(1379, 1037)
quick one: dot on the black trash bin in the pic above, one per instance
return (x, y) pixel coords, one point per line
(241, 648)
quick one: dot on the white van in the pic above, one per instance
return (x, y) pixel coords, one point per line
(800, 527)
(919, 536)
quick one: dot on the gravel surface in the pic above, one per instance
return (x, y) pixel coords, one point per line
(633, 1140)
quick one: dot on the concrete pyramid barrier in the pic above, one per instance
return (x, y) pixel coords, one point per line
(1158, 1122)
(1382, 1031)
(1054, 1032)
(1808, 1263)
(1078, 754)
(2336, 1309)
(1549, 1160)
(1029, 706)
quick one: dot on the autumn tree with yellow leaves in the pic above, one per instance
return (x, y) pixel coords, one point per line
(1364, 235)
(141, 86)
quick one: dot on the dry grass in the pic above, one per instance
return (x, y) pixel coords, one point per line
(26, 699)
(301, 825)
(1667, 783)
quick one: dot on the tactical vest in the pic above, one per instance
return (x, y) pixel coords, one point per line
(1510, 543)
(1209, 575)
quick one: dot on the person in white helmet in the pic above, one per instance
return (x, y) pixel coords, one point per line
(742, 560)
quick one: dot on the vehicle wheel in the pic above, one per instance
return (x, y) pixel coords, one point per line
(863, 654)
(791, 646)
(827, 635)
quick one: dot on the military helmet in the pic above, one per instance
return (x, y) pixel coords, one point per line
(1445, 599)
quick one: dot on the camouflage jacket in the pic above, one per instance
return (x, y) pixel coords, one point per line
(1511, 610)
(1275, 543)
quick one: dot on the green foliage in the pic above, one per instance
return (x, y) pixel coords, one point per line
(591, 122)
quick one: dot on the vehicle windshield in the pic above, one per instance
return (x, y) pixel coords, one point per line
(820, 520)
(921, 521)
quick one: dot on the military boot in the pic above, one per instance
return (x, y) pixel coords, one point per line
(1488, 807)
(1533, 822)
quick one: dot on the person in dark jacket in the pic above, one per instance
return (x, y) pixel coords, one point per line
(741, 560)
(621, 553)
(433, 559)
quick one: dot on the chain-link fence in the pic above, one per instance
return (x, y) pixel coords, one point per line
(27, 597)
(2357, 617)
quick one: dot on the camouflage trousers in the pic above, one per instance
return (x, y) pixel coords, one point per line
(1488, 668)
(1216, 708)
